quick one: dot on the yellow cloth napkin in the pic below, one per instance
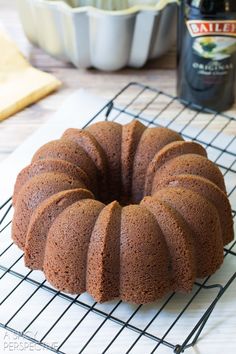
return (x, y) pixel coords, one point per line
(20, 83)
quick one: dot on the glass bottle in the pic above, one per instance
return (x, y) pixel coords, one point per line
(207, 52)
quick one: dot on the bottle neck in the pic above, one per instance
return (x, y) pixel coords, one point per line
(211, 8)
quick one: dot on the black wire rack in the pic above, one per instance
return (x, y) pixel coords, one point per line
(32, 309)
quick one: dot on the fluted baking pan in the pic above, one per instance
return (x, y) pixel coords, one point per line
(92, 37)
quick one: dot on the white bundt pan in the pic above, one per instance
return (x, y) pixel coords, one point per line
(89, 36)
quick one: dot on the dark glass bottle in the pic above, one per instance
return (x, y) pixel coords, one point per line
(207, 52)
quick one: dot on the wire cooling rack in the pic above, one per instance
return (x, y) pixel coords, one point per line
(32, 309)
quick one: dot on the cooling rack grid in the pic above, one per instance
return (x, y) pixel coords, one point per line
(76, 324)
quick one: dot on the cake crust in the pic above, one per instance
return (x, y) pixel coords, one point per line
(41, 221)
(152, 141)
(74, 219)
(168, 152)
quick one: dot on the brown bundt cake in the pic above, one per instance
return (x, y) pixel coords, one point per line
(123, 212)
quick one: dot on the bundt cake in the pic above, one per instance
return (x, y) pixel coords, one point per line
(123, 212)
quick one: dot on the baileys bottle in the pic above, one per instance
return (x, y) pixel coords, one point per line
(207, 52)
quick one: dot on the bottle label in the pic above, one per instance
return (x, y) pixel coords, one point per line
(205, 28)
(215, 40)
(215, 48)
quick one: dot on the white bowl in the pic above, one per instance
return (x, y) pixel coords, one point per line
(92, 37)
